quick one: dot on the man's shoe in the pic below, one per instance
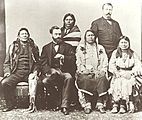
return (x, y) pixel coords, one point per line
(87, 110)
(65, 111)
(56, 109)
(7, 109)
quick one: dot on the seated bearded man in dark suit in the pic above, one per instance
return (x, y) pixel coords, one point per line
(57, 57)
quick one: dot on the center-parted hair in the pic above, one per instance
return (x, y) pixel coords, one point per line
(129, 51)
(72, 16)
(89, 31)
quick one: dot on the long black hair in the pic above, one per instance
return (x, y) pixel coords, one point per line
(129, 51)
(72, 16)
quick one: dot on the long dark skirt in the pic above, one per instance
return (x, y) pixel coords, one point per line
(91, 84)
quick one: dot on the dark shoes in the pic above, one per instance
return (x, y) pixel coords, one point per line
(7, 109)
(56, 109)
(65, 111)
(87, 110)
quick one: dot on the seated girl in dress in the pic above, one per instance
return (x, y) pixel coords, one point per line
(123, 64)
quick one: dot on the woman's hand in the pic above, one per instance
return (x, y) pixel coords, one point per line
(99, 74)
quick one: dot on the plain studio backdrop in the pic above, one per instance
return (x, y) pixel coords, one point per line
(40, 15)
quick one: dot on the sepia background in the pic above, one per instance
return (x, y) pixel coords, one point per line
(39, 15)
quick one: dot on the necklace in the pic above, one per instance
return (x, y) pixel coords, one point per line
(124, 57)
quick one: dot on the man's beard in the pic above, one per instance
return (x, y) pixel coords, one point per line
(57, 40)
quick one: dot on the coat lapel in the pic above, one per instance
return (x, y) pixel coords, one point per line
(61, 48)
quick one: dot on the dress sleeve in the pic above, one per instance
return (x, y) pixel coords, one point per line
(104, 60)
(112, 63)
(79, 59)
(137, 63)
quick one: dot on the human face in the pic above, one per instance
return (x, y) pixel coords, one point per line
(68, 22)
(56, 35)
(123, 44)
(23, 35)
(90, 37)
(107, 11)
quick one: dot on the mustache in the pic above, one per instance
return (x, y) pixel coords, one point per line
(108, 14)
(58, 38)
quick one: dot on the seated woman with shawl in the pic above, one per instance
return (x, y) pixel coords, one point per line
(124, 63)
(92, 63)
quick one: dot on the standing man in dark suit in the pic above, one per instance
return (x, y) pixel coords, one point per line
(107, 30)
(57, 57)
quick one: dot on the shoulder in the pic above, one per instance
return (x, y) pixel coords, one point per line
(14, 44)
(114, 21)
(75, 28)
(100, 46)
(97, 20)
(66, 44)
(32, 43)
(101, 49)
(47, 45)
(136, 55)
(114, 52)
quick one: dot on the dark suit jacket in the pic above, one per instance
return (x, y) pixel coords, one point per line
(65, 49)
(108, 35)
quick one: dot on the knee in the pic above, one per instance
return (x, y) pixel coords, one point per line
(4, 83)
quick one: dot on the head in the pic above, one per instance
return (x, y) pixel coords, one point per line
(124, 45)
(107, 10)
(90, 37)
(69, 21)
(23, 34)
(55, 31)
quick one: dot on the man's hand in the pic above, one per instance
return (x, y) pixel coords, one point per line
(6, 74)
(54, 71)
(59, 56)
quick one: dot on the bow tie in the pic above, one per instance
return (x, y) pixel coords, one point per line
(54, 44)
